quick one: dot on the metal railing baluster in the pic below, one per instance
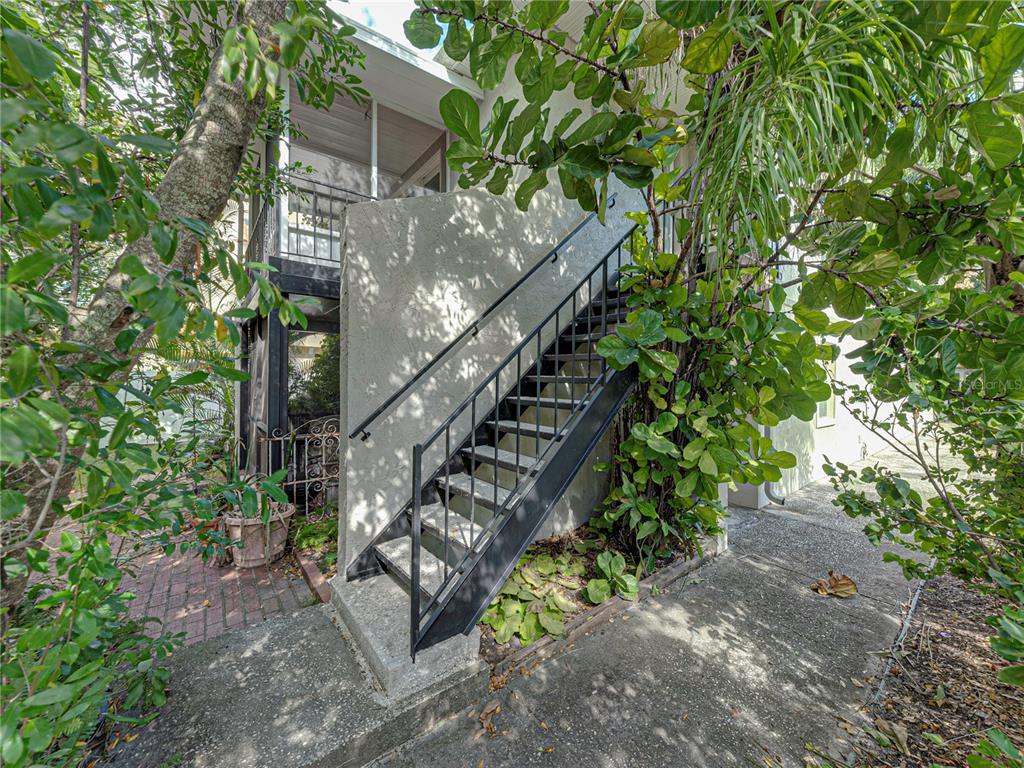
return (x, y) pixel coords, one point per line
(558, 367)
(414, 573)
(497, 400)
(447, 490)
(540, 360)
(604, 309)
(519, 407)
(316, 202)
(472, 470)
(572, 365)
(590, 330)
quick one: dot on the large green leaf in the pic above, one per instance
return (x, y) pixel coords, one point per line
(31, 55)
(461, 116)
(645, 331)
(458, 41)
(683, 14)
(542, 14)
(710, 51)
(879, 268)
(849, 301)
(1001, 58)
(593, 126)
(657, 42)
(533, 183)
(584, 161)
(488, 62)
(422, 30)
(996, 138)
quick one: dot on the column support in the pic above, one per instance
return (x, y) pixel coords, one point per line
(374, 184)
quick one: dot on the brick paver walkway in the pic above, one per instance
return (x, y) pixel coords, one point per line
(205, 600)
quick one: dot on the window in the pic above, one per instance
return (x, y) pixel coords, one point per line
(826, 414)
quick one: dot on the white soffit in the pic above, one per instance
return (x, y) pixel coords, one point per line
(401, 78)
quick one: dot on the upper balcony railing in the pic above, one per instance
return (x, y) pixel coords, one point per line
(315, 222)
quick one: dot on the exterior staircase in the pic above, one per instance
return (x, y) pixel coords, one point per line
(486, 480)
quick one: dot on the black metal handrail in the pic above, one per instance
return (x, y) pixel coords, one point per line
(472, 329)
(571, 406)
(296, 178)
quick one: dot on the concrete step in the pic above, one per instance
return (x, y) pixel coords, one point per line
(504, 459)
(461, 531)
(396, 557)
(561, 378)
(528, 428)
(561, 403)
(482, 492)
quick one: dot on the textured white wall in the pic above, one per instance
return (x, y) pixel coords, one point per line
(416, 272)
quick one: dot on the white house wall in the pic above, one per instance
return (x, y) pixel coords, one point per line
(418, 271)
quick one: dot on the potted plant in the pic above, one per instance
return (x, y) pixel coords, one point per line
(256, 518)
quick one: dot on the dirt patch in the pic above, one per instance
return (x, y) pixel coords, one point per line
(942, 688)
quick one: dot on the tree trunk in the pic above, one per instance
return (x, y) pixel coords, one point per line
(197, 186)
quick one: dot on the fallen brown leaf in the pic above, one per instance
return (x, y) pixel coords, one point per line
(493, 708)
(835, 586)
(895, 731)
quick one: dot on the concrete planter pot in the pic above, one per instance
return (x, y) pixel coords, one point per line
(259, 543)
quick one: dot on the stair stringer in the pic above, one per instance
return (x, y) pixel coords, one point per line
(467, 600)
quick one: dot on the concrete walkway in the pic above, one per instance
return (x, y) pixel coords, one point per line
(739, 664)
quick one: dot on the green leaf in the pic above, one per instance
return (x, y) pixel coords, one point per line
(488, 62)
(551, 621)
(781, 459)
(1001, 58)
(584, 161)
(814, 320)
(706, 464)
(597, 591)
(880, 268)
(645, 331)
(866, 329)
(542, 14)
(422, 30)
(710, 51)
(592, 127)
(22, 366)
(461, 116)
(12, 311)
(148, 143)
(458, 41)
(996, 138)
(34, 57)
(1012, 675)
(462, 152)
(850, 301)
(499, 181)
(120, 431)
(657, 42)
(48, 696)
(684, 14)
(533, 184)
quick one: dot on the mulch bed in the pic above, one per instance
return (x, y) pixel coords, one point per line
(944, 683)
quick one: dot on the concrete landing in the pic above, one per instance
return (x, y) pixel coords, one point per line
(287, 693)
(376, 612)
